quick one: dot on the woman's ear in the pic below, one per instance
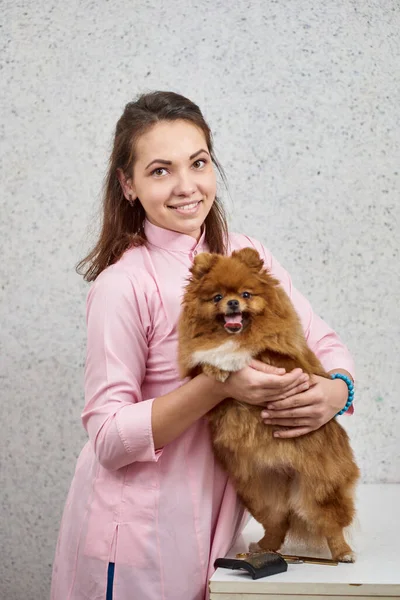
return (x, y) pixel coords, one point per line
(126, 185)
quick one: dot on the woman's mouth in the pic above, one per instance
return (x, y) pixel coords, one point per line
(187, 209)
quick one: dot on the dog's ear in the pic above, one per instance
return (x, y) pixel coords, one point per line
(202, 264)
(249, 257)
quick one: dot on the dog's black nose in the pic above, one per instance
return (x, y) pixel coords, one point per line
(233, 303)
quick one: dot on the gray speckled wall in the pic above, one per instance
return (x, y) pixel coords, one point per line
(303, 98)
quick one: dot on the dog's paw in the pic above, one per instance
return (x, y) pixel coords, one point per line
(255, 547)
(222, 376)
(216, 373)
(348, 557)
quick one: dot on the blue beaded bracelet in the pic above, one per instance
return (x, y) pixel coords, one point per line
(350, 386)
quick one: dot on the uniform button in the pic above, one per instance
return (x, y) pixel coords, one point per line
(195, 252)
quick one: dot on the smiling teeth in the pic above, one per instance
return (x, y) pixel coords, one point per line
(186, 207)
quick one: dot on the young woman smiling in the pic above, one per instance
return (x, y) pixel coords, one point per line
(149, 509)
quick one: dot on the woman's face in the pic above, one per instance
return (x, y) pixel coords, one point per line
(173, 177)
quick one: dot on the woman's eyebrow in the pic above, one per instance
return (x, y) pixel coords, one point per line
(168, 162)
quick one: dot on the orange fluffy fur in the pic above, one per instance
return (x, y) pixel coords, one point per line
(303, 484)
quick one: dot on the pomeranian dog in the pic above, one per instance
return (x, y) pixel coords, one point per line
(233, 310)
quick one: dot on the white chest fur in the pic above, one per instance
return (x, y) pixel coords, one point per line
(227, 357)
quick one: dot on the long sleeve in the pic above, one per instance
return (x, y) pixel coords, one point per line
(322, 340)
(117, 419)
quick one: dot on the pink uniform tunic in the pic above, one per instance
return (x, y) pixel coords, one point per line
(162, 516)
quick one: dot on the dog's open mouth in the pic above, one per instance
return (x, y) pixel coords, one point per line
(234, 322)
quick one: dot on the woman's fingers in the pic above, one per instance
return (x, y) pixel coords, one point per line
(265, 368)
(291, 413)
(292, 422)
(275, 380)
(300, 413)
(284, 383)
(292, 432)
(290, 392)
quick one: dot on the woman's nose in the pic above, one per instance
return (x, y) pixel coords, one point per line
(185, 184)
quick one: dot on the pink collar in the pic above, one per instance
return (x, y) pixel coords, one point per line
(173, 240)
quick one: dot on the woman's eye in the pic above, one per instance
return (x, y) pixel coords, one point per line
(158, 172)
(246, 295)
(201, 162)
(217, 298)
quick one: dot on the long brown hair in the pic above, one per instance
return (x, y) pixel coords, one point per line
(122, 224)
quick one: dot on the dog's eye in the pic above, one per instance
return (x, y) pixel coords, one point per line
(217, 298)
(246, 295)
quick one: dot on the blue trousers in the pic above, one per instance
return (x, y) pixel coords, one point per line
(110, 581)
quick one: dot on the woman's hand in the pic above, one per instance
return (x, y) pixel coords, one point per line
(260, 383)
(307, 410)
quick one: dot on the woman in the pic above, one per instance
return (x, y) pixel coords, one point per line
(149, 509)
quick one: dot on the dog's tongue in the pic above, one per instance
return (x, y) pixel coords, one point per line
(233, 321)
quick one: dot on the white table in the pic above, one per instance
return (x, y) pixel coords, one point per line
(376, 574)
